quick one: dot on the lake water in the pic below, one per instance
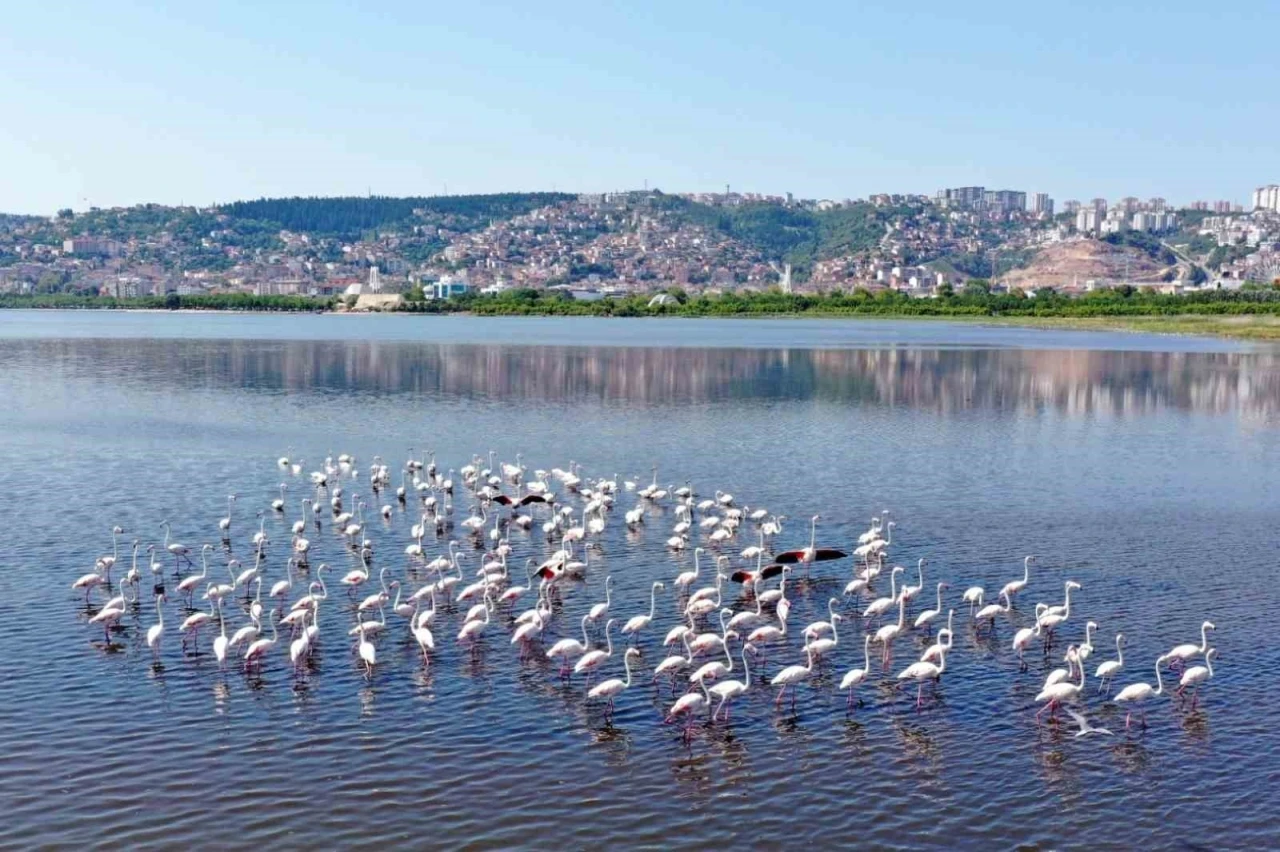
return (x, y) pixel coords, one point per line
(1143, 467)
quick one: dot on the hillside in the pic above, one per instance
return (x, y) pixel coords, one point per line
(349, 217)
(1074, 262)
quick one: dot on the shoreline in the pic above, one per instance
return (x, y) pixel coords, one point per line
(1263, 328)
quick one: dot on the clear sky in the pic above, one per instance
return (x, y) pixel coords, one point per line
(108, 103)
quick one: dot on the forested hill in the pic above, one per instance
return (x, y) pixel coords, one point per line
(352, 216)
(793, 234)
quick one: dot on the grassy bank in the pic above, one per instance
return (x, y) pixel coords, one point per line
(1252, 314)
(1244, 327)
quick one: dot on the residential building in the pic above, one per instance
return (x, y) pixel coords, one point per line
(96, 246)
(1267, 198)
(1004, 200)
(1087, 220)
(963, 197)
(1042, 204)
(1199, 205)
(1071, 206)
(1222, 207)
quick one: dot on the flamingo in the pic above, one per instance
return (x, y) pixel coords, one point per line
(250, 632)
(600, 610)
(973, 597)
(1197, 675)
(926, 617)
(156, 631)
(714, 670)
(728, 690)
(1057, 693)
(880, 605)
(192, 623)
(1086, 647)
(88, 582)
(747, 618)
(908, 591)
(674, 663)
(471, 630)
(569, 649)
(686, 578)
(1023, 637)
(259, 648)
(946, 638)
(990, 611)
(639, 622)
(107, 616)
(1136, 694)
(1107, 670)
(824, 645)
(817, 628)
(613, 687)
(224, 524)
(812, 553)
(885, 635)
(592, 660)
(1182, 653)
(368, 651)
(278, 503)
(789, 677)
(178, 550)
(687, 705)
(220, 641)
(1012, 587)
(854, 677)
(921, 671)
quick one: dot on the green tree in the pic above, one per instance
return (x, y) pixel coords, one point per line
(415, 294)
(66, 213)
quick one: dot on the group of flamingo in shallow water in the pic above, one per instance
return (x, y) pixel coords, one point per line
(573, 513)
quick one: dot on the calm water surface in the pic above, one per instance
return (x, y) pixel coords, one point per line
(1142, 467)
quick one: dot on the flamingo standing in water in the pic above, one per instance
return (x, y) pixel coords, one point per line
(1012, 587)
(1197, 675)
(921, 671)
(613, 687)
(728, 690)
(854, 677)
(1107, 670)
(1182, 653)
(789, 677)
(1136, 694)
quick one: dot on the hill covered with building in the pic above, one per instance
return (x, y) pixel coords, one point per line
(633, 242)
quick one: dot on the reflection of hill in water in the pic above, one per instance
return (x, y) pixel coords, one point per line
(940, 379)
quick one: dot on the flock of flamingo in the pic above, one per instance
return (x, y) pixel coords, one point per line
(562, 512)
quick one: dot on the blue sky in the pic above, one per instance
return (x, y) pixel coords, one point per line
(125, 102)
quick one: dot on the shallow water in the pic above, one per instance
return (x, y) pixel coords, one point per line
(1140, 466)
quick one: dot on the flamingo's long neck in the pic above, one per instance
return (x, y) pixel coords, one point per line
(1119, 652)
